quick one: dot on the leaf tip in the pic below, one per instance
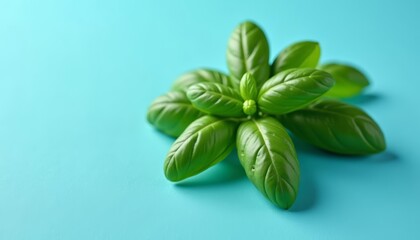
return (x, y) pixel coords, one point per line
(170, 172)
(380, 145)
(248, 22)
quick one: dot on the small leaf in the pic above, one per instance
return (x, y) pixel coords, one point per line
(293, 89)
(248, 87)
(172, 113)
(207, 141)
(198, 76)
(349, 81)
(249, 107)
(216, 99)
(298, 55)
(269, 158)
(336, 127)
(248, 52)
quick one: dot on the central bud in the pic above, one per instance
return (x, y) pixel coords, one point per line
(249, 107)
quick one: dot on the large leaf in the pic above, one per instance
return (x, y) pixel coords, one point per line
(207, 141)
(216, 99)
(293, 89)
(201, 75)
(172, 113)
(248, 52)
(268, 156)
(336, 127)
(298, 55)
(348, 80)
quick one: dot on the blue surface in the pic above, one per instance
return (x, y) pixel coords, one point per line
(79, 161)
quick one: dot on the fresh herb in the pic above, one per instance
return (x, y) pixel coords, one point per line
(349, 81)
(211, 113)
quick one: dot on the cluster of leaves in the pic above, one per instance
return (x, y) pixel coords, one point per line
(211, 113)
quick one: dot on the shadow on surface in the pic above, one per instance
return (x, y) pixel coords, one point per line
(164, 137)
(386, 156)
(314, 161)
(306, 148)
(364, 98)
(307, 194)
(228, 170)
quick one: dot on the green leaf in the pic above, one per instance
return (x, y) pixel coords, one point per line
(207, 141)
(336, 127)
(249, 107)
(293, 89)
(349, 81)
(198, 76)
(248, 52)
(216, 99)
(269, 158)
(172, 113)
(298, 55)
(248, 87)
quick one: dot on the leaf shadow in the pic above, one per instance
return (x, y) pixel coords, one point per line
(315, 161)
(304, 147)
(307, 194)
(165, 137)
(312, 162)
(227, 171)
(364, 98)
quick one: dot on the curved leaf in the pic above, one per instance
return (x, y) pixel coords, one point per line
(216, 99)
(269, 158)
(248, 87)
(348, 80)
(201, 75)
(207, 141)
(250, 107)
(172, 113)
(336, 127)
(248, 52)
(298, 55)
(293, 89)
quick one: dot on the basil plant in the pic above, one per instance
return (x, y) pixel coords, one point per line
(255, 106)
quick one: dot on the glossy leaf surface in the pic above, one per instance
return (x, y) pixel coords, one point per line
(207, 141)
(172, 113)
(268, 156)
(293, 89)
(349, 81)
(336, 127)
(198, 76)
(216, 99)
(248, 87)
(248, 52)
(298, 55)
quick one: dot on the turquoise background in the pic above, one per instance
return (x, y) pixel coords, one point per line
(79, 161)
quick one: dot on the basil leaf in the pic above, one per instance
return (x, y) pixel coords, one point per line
(336, 127)
(248, 52)
(172, 113)
(298, 55)
(348, 80)
(207, 141)
(269, 158)
(248, 87)
(201, 75)
(216, 99)
(250, 107)
(293, 89)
